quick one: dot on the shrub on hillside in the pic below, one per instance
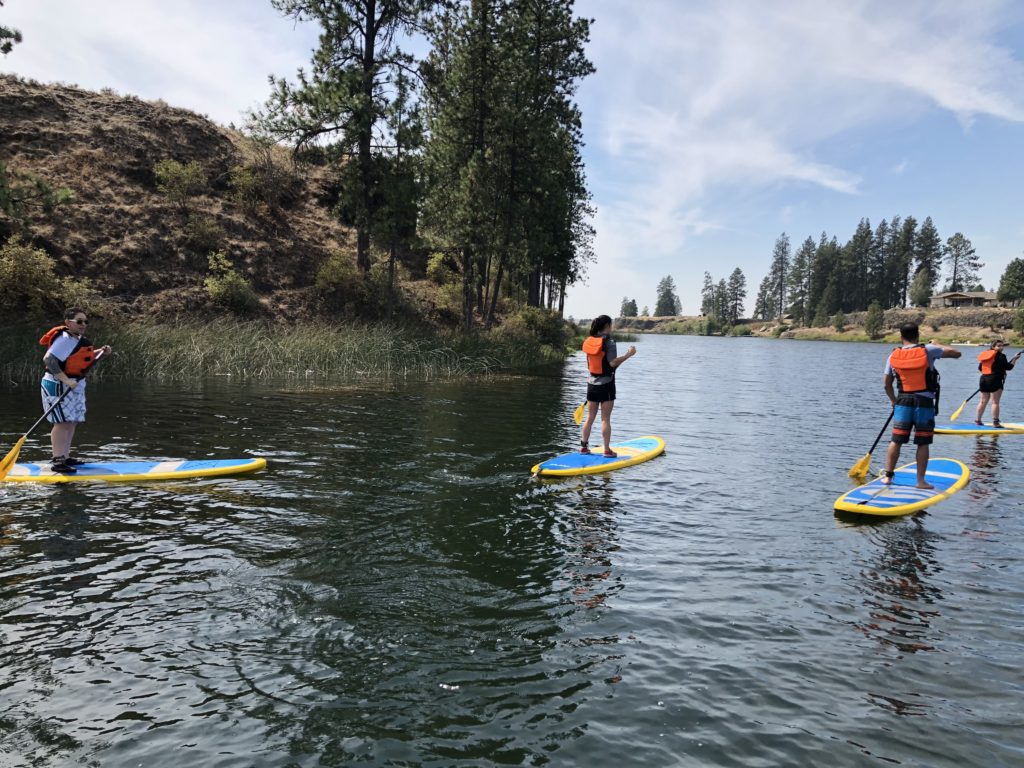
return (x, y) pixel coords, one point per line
(874, 321)
(229, 289)
(543, 325)
(338, 282)
(180, 181)
(741, 329)
(440, 270)
(263, 180)
(30, 287)
(203, 234)
(839, 321)
(1018, 322)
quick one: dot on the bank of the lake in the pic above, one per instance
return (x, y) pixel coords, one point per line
(176, 350)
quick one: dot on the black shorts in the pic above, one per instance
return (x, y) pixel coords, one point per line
(601, 393)
(990, 384)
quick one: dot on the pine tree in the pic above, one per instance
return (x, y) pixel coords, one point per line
(763, 303)
(736, 295)
(901, 258)
(962, 262)
(344, 98)
(1011, 284)
(856, 254)
(778, 274)
(667, 303)
(826, 266)
(645, 312)
(877, 259)
(928, 253)
(921, 289)
(874, 321)
(628, 308)
(800, 282)
(707, 295)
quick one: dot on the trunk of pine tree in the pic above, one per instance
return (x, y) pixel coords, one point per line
(366, 135)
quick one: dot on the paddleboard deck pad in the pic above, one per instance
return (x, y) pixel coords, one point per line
(631, 452)
(134, 471)
(982, 429)
(903, 496)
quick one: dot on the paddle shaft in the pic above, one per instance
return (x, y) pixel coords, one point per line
(57, 401)
(882, 432)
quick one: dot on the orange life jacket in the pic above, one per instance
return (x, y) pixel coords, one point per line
(987, 359)
(913, 374)
(597, 360)
(81, 358)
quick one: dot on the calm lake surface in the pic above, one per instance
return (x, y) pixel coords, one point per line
(395, 590)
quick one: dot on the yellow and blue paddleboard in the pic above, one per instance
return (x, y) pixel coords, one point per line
(903, 496)
(980, 429)
(134, 471)
(631, 452)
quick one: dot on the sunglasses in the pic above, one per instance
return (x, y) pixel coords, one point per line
(80, 322)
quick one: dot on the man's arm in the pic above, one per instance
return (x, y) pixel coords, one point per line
(52, 365)
(889, 391)
(946, 351)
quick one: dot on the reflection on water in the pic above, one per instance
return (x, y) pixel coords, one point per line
(395, 590)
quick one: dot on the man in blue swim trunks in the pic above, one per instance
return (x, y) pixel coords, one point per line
(912, 367)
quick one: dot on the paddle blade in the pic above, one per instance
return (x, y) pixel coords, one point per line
(859, 471)
(956, 413)
(577, 415)
(11, 458)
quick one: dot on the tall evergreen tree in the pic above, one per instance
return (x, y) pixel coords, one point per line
(707, 295)
(343, 99)
(901, 258)
(1011, 284)
(628, 308)
(800, 282)
(778, 274)
(962, 262)
(877, 260)
(856, 255)
(921, 289)
(928, 253)
(667, 303)
(763, 304)
(736, 295)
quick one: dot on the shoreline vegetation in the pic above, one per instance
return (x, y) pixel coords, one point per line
(179, 351)
(973, 326)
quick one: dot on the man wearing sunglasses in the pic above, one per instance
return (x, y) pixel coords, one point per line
(68, 356)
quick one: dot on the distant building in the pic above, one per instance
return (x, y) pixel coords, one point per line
(963, 299)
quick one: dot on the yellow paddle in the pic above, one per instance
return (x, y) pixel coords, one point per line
(8, 462)
(859, 471)
(956, 413)
(577, 415)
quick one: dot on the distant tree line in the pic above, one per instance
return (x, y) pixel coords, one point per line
(471, 152)
(896, 264)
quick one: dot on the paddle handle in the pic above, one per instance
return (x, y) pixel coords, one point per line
(57, 401)
(882, 431)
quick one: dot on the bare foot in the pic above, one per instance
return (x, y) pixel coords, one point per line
(886, 480)
(925, 485)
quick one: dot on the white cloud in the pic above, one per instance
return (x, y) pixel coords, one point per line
(213, 58)
(692, 99)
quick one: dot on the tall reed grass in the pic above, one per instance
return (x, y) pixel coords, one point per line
(178, 351)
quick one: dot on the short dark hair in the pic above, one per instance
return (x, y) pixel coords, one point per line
(910, 332)
(599, 322)
(70, 312)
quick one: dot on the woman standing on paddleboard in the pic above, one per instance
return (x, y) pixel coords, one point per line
(602, 360)
(993, 366)
(69, 354)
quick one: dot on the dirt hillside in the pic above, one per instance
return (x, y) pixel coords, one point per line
(138, 247)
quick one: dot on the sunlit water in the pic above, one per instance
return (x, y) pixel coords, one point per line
(395, 590)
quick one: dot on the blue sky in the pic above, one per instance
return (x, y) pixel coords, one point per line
(711, 125)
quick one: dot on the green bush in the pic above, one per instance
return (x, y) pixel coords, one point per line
(1018, 322)
(439, 269)
(839, 321)
(180, 182)
(229, 289)
(263, 180)
(546, 326)
(874, 321)
(338, 282)
(203, 234)
(30, 287)
(740, 330)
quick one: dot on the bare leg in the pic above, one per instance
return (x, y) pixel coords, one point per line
(589, 423)
(996, 396)
(61, 436)
(982, 404)
(891, 457)
(922, 466)
(606, 423)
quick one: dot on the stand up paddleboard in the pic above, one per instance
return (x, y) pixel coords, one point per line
(631, 452)
(133, 471)
(983, 429)
(903, 497)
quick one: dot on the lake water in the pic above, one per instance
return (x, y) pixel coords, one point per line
(396, 590)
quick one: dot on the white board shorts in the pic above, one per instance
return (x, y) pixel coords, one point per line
(71, 408)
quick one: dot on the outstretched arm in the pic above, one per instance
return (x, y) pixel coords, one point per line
(623, 358)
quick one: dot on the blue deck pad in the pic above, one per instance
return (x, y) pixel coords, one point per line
(113, 470)
(903, 496)
(630, 452)
(971, 428)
